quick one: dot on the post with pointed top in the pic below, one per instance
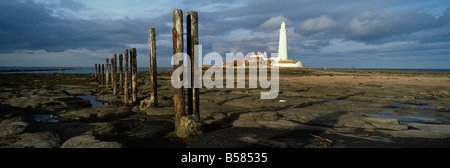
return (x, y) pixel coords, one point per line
(134, 86)
(107, 74)
(177, 37)
(120, 73)
(125, 85)
(153, 71)
(192, 41)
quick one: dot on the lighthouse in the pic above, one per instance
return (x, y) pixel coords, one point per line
(282, 59)
(282, 46)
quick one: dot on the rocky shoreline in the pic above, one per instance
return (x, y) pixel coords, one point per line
(314, 108)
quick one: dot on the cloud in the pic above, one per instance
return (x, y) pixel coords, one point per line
(315, 25)
(380, 28)
(72, 5)
(274, 23)
(29, 25)
(60, 26)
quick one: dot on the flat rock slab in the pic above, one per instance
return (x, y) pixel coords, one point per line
(259, 116)
(89, 141)
(424, 131)
(279, 124)
(376, 120)
(97, 112)
(11, 127)
(36, 140)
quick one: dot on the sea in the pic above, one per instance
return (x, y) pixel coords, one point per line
(77, 70)
(397, 69)
(85, 70)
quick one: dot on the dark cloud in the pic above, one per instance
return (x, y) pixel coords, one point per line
(242, 26)
(30, 25)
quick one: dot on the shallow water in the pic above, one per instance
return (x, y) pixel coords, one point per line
(48, 118)
(415, 105)
(408, 118)
(93, 100)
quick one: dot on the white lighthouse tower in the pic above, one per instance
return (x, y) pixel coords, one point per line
(282, 46)
(282, 59)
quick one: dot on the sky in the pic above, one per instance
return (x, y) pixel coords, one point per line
(332, 33)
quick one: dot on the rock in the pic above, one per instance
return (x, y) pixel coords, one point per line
(50, 103)
(145, 104)
(245, 123)
(113, 112)
(390, 126)
(108, 97)
(97, 112)
(67, 130)
(376, 120)
(6, 95)
(36, 140)
(11, 127)
(89, 141)
(279, 124)
(160, 111)
(352, 123)
(219, 116)
(436, 128)
(102, 129)
(188, 126)
(77, 114)
(78, 91)
(323, 121)
(259, 116)
(425, 131)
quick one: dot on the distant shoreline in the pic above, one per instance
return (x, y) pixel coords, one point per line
(30, 70)
(87, 70)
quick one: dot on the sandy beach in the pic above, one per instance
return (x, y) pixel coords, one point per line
(315, 108)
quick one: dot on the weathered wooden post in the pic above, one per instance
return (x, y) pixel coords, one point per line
(125, 86)
(192, 40)
(133, 76)
(99, 74)
(120, 73)
(95, 73)
(177, 36)
(103, 74)
(107, 74)
(153, 71)
(114, 74)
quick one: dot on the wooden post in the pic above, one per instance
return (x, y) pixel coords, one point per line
(114, 74)
(120, 73)
(134, 76)
(192, 40)
(103, 73)
(177, 35)
(107, 74)
(131, 73)
(95, 73)
(153, 71)
(125, 85)
(99, 76)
